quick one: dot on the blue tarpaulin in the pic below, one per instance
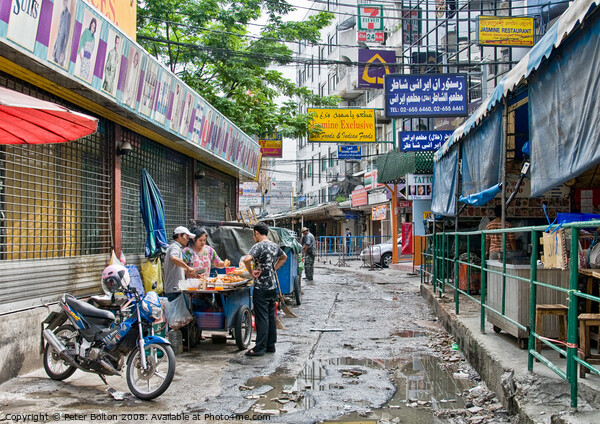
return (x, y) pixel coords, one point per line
(152, 209)
(443, 197)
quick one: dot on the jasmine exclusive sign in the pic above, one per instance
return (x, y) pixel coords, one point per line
(418, 187)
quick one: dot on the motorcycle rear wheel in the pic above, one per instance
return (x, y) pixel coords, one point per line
(55, 366)
(152, 382)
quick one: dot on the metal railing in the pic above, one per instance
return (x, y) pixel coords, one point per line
(441, 266)
(348, 246)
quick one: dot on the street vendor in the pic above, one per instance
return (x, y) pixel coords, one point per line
(201, 257)
(174, 267)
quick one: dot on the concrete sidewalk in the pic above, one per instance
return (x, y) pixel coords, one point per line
(537, 397)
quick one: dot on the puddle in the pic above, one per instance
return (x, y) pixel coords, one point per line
(421, 385)
(409, 333)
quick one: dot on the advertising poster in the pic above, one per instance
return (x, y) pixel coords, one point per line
(112, 63)
(418, 186)
(198, 116)
(206, 126)
(359, 197)
(428, 95)
(162, 98)
(373, 65)
(134, 65)
(505, 31)
(23, 22)
(407, 238)
(178, 99)
(87, 47)
(149, 88)
(379, 212)
(61, 32)
(271, 145)
(188, 104)
(343, 125)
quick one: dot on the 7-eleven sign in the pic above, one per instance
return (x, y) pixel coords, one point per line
(370, 17)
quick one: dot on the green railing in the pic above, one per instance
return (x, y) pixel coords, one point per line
(441, 267)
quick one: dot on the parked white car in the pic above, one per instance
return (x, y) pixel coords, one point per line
(380, 254)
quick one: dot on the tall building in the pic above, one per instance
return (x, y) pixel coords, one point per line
(422, 37)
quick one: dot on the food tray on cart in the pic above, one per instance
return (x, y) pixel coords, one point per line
(223, 282)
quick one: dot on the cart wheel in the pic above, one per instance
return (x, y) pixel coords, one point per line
(297, 290)
(243, 327)
(523, 343)
(497, 329)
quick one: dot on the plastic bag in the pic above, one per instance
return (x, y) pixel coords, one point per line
(300, 263)
(136, 279)
(151, 273)
(114, 259)
(177, 312)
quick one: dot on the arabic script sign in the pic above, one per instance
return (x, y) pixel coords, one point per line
(411, 141)
(343, 125)
(425, 95)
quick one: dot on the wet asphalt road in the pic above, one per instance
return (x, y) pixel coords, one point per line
(365, 348)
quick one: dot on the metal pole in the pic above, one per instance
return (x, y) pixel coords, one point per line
(456, 265)
(572, 322)
(533, 298)
(483, 284)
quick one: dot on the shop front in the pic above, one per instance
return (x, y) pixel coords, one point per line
(64, 207)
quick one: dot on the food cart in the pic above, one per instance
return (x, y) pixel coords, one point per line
(218, 305)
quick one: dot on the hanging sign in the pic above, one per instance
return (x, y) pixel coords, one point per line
(425, 95)
(349, 151)
(505, 31)
(374, 65)
(343, 125)
(271, 145)
(379, 212)
(419, 141)
(370, 17)
(418, 186)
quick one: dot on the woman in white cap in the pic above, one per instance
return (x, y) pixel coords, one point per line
(174, 267)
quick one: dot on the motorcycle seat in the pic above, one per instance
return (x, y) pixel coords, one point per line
(88, 310)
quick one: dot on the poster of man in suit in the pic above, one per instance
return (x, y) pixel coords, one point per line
(60, 32)
(112, 63)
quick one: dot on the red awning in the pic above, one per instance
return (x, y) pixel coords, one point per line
(27, 120)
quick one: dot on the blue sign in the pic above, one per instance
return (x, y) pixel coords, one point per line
(349, 152)
(351, 215)
(425, 95)
(417, 141)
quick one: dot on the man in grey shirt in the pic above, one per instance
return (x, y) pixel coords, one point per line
(174, 267)
(308, 250)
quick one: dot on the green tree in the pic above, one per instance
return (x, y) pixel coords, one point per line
(207, 43)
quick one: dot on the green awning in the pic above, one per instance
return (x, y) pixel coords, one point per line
(396, 164)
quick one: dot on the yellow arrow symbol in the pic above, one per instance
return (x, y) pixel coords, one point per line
(374, 80)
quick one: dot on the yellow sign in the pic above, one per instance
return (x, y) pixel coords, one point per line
(121, 13)
(428, 215)
(271, 145)
(343, 125)
(498, 31)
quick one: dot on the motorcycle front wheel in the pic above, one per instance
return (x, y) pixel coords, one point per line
(149, 383)
(55, 366)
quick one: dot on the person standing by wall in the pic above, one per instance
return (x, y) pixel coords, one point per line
(263, 260)
(348, 241)
(308, 252)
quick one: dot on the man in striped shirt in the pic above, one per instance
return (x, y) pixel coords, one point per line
(493, 242)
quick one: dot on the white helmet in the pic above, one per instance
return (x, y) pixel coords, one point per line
(115, 277)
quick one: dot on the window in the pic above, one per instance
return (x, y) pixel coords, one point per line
(322, 90)
(332, 43)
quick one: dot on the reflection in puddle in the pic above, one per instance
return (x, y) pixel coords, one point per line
(421, 385)
(409, 333)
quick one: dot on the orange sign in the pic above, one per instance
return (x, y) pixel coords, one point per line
(122, 13)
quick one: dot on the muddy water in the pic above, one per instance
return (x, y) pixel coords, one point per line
(418, 386)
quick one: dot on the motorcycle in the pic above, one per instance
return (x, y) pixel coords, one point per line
(84, 337)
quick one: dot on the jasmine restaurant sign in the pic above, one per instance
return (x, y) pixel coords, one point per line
(72, 36)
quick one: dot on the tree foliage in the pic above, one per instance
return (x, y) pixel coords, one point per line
(207, 43)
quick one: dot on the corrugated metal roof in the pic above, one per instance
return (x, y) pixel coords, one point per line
(575, 14)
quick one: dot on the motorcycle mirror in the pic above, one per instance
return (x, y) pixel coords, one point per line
(154, 285)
